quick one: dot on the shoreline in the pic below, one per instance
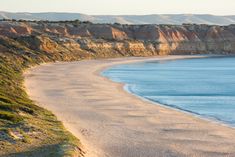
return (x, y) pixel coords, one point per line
(140, 117)
(190, 113)
(197, 115)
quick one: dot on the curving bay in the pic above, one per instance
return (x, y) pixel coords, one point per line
(205, 86)
(113, 123)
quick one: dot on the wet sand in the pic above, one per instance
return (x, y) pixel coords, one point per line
(113, 123)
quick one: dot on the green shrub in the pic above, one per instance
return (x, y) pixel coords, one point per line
(9, 116)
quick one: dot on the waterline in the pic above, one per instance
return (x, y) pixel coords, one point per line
(203, 87)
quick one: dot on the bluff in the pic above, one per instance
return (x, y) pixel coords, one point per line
(110, 40)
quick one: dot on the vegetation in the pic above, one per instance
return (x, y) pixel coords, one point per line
(26, 129)
(75, 22)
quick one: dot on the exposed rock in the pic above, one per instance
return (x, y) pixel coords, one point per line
(104, 40)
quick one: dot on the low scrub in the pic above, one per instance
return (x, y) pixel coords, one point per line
(26, 129)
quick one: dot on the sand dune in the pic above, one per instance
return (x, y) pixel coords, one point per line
(113, 123)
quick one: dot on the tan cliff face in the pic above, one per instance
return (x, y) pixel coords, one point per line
(105, 40)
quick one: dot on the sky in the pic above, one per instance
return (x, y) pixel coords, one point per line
(121, 7)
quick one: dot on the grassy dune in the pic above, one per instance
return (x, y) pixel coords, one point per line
(26, 129)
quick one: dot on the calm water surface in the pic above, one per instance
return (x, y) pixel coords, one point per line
(205, 87)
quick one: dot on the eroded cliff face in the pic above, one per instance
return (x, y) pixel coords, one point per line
(106, 40)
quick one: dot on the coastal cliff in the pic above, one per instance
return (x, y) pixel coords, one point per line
(110, 40)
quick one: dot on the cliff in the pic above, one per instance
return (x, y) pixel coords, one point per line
(106, 40)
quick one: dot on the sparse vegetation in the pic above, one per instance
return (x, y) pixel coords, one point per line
(74, 22)
(26, 129)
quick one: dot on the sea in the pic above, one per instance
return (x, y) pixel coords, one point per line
(203, 87)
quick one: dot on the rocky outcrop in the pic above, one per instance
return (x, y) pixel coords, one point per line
(107, 40)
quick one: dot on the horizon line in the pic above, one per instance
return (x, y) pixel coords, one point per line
(115, 14)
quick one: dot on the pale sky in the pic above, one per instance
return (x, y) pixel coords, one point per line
(117, 7)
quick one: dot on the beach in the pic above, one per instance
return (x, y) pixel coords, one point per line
(111, 122)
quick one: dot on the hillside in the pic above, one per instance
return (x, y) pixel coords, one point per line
(125, 19)
(23, 125)
(106, 40)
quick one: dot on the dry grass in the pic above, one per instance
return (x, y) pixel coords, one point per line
(26, 129)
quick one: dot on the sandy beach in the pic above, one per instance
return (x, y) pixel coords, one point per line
(110, 122)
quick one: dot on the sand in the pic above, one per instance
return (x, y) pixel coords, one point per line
(111, 122)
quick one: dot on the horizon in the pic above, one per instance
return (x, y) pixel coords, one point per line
(114, 14)
(121, 7)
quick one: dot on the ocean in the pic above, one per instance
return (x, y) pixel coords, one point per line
(202, 86)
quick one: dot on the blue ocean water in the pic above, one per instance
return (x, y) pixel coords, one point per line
(205, 86)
